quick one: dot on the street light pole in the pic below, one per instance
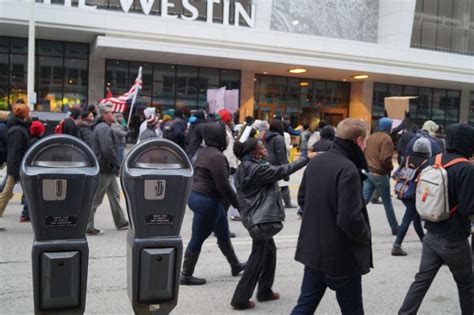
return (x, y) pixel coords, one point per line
(31, 57)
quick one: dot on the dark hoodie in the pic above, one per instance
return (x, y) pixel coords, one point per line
(211, 170)
(459, 144)
(275, 144)
(18, 144)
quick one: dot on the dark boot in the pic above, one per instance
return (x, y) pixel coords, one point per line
(190, 260)
(287, 198)
(229, 253)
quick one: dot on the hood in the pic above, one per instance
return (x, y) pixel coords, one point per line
(214, 135)
(15, 121)
(460, 139)
(431, 127)
(384, 124)
(269, 135)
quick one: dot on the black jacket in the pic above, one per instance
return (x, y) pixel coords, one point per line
(106, 148)
(275, 145)
(18, 144)
(460, 143)
(258, 191)
(70, 127)
(194, 138)
(84, 132)
(211, 170)
(335, 235)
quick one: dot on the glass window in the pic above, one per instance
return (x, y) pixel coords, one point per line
(186, 81)
(75, 76)
(50, 48)
(430, 7)
(331, 90)
(343, 94)
(208, 78)
(306, 90)
(4, 69)
(18, 63)
(293, 92)
(378, 104)
(319, 92)
(75, 50)
(4, 44)
(18, 46)
(230, 79)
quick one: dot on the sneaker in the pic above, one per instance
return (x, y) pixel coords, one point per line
(24, 219)
(123, 227)
(234, 218)
(94, 232)
(397, 250)
(376, 201)
(290, 206)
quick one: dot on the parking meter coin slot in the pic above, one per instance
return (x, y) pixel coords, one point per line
(156, 275)
(60, 280)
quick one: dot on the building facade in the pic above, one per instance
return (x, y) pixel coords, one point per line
(354, 53)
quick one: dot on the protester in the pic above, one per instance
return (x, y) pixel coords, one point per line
(262, 213)
(147, 112)
(410, 166)
(334, 243)
(106, 148)
(210, 195)
(84, 131)
(304, 138)
(37, 130)
(446, 242)
(70, 127)
(151, 126)
(327, 134)
(427, 131)
(194, 137)
(18, 144)
(121, 131)
(379, 154)
(175, 130)
(275, 145)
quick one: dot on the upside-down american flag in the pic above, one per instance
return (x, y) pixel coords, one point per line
(120, 103)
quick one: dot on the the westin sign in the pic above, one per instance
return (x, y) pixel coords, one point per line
(190, 9)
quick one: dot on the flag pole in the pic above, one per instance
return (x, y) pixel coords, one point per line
(134, 98)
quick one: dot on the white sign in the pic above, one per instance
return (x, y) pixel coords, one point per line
(189, 8)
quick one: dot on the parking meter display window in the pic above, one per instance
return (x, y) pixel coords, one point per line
(158, 158)
(61, 156)
(60, 280)
(156, 275)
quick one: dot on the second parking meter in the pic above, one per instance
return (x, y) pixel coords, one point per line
(156, 178)
(59, 176)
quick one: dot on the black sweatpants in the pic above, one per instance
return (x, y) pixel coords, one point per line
(260, 268)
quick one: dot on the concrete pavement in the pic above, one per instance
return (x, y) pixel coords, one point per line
(383, 288)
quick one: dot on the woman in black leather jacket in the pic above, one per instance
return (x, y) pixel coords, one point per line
(262, 213)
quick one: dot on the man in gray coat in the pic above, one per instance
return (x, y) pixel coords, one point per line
(106, 148)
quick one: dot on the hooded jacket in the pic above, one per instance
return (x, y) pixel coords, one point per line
(84, 131)
(460, 144)
(275, 145)
(18, 144)
(379, 153)
(211, 170)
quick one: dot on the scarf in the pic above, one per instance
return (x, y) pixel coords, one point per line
(354, 153)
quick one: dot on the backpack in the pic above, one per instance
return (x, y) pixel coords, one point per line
(171, 132)
(405, 180)
(432, 201)
(59, 129)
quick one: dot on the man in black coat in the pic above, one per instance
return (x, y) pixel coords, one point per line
(335, 239)
(446, 242)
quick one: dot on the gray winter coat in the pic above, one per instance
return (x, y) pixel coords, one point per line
(106, 148)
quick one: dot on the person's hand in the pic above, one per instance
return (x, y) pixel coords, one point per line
(312, 155)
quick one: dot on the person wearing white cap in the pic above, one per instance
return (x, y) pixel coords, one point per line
(151, 126)
(150, 112)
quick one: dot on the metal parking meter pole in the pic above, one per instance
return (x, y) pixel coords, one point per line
(156, 178)
(59, 176)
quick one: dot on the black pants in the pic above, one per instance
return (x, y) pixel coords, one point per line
(436, 252)
(348, 293)
(260, 268)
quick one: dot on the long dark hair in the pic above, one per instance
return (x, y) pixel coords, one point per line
(276, 125)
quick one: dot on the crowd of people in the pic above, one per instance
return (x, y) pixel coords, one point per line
(243, 172)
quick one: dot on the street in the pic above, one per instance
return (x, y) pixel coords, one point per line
(383, 288)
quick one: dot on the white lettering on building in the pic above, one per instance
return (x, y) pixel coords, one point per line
(147, 5)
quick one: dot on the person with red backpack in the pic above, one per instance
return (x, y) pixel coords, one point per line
(405, 189)
(446, 242)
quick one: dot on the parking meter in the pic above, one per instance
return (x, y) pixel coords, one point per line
(156, 178)
(59, 176)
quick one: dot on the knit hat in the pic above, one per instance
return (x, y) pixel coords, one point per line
(149, 111)
(21, 111)
(37, 129)
(431, 127)
(385, 124)
(226, 116)
(422, 145)
(167, 118)
(152, 120)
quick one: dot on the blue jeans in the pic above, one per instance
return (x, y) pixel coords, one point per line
(410, 215)
(209, 216)
(304, 152)
(26, 210)
(348, 292)
(381, 183)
